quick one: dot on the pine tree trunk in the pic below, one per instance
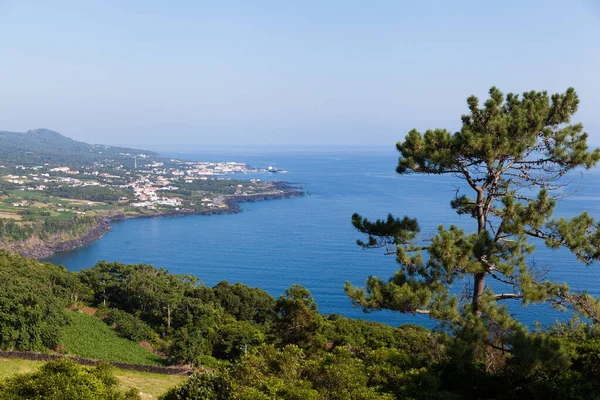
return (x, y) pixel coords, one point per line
(478, 287)
(479, 278)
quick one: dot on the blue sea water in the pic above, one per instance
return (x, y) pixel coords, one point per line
(310, 240)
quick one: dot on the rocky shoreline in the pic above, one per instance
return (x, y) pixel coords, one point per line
(40, 249)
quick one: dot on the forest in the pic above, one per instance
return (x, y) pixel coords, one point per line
(247, 344)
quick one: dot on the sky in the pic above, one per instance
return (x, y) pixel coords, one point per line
(272, 73)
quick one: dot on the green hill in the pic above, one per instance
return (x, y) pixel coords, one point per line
(40, 146)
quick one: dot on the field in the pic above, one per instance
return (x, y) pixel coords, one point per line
(83, 202)
(41, 202)
(9, 215)
(151, 385)
(89, 337)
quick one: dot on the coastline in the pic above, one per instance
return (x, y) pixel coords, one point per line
(40, 249)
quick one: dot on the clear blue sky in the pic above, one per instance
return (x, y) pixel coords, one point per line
(283, 72)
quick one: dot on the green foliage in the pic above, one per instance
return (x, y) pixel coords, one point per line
(152, 293)
(343, 377)
(421, 346)
(90, 193)
(32, 302)
(189, 344)
(201, 386)
(273, 374)
(395, 371)
(235, 338)
(510, 153)
(532, 354)
(87, 336)
(127, 325)
(63, 379)
(270, 373)
(295, 354)
(201, 321)
(44, 228)
(13, 230)
(298, 321)
(245, 303)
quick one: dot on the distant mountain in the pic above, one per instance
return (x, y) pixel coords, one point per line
(40, 146)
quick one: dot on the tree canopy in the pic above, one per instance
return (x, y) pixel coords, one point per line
(510, 154)
(254, 346)
(33, 301)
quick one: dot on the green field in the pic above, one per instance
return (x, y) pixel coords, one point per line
(150, 385)
(89, 337)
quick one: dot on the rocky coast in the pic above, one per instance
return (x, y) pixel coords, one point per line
(65, 241)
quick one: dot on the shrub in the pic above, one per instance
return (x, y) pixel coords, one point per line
(63, 379)
(201, 386)
(127, 325)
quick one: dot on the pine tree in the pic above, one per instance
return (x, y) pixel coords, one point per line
(510, 155)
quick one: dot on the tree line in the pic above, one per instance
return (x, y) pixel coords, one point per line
(11, 230)
(258, 346)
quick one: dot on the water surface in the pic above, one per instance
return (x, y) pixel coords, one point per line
(310, 240)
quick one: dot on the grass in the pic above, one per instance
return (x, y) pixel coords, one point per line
(38, 204)
(89, 337)
(151, 385)
(16, 366)
(83, 202)
(63, 215)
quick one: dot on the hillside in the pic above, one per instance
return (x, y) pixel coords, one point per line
(41, 146)
(87, 336)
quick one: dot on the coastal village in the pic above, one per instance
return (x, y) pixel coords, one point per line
(146, 187)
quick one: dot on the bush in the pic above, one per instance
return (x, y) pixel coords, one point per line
(188, 344)
(211, 362)
(127, 325)
(63, 379)
(32, 311)
(202, 386)
(235, 338)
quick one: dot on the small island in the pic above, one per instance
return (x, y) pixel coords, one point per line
(57, 194)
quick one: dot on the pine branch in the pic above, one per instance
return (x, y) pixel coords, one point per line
(504, 296)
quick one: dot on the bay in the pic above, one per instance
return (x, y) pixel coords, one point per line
(310, 240)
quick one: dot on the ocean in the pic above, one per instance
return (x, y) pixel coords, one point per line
(310, 240)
